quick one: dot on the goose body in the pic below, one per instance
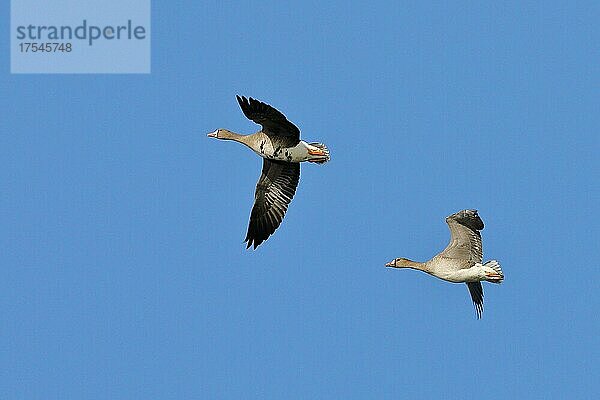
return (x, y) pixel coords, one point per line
(461, 260)
(279, 144)
(266, 147)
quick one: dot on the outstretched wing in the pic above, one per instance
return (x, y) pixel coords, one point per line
(272, 121)
(274, 192)
(465, 239)
(476, 291)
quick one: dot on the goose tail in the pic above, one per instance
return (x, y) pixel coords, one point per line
(493, 264)
(324, 156)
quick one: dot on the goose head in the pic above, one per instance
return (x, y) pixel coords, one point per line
(220, 134)
(400, 263)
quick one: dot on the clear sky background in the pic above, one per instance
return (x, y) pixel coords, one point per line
(124, 275)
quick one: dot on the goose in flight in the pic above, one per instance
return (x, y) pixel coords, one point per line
(461, 260)
(279, 144)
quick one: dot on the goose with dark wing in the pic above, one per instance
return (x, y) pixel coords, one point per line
(461, 260)
(279, 144)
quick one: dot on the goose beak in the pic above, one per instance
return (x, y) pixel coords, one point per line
(391, 264)
(213, 134)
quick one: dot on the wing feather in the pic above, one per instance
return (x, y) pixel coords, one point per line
(465, 239)
(274, 192)
(476, 291)
(273, 122)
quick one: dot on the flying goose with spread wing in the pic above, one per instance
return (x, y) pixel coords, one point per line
(279, 144)
(461, 260)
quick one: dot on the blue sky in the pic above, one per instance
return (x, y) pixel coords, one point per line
(124, 271)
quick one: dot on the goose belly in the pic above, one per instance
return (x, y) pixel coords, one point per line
(267, 149)
(452, 270)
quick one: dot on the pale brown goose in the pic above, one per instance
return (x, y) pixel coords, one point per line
(279, 144)
(461, 259)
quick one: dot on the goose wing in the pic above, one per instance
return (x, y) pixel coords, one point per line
(274, 192)
(476, 291)
(465, 239)
(273, 122)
